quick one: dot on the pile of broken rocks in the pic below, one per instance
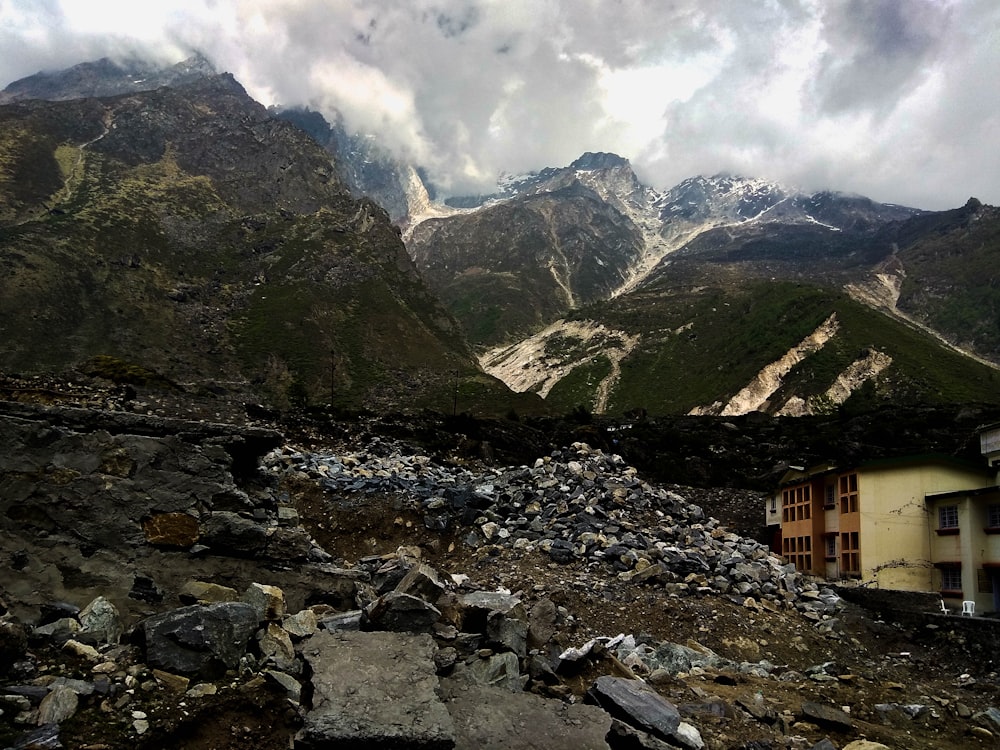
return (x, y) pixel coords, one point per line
(424, 661)
(576, 505)
(397, 654)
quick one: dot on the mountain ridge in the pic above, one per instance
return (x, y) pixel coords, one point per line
(187, 232)
(584, 240)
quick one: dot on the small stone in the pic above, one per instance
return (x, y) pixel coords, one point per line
(100, 618)
(60, 704)
(201, 690)
(82, 650)
(174, 682)
(301, 625)
(288, 683)
(202, 592)
(269, 601)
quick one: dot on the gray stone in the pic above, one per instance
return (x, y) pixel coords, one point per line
(60, 704)
(200, 640)
(229, 533)
(291, 686)
(824, 744)
(401, 613)
(302, 624)
(101, 620)
(827, 716)
(624, 735)
(343, 621)
(374, 690)
(421, 581)
(44, 738)
(59, 631)
(636, 703)
(489, 718)
(289, 544)
(542, 623)
(268, 601)
(508, 632)
(499, 670)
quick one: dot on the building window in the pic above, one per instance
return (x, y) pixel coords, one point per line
(796, 503)
(831, 547)
(951, 579)
(993, 516)
(830, 500)
(848, 491)
(850, 554)
(947, 519)
(798, 550)
(774, 503)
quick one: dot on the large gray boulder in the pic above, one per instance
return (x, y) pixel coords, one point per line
(492, 718)
(200, 640)
(636, 703)
(374, 690)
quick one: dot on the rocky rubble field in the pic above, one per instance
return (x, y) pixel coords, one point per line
(232, 590)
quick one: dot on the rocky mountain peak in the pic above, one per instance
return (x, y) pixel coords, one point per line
(107, 77)
(599, 160)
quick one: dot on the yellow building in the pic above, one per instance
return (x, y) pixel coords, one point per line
(873, 522)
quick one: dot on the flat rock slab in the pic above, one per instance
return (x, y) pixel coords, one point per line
(374, 690)
(827, 716)
(636, 703)
(490, 718)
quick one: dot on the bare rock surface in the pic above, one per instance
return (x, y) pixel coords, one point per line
(490, 718)
(374, 690)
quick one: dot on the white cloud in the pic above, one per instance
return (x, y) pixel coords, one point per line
(892, 98)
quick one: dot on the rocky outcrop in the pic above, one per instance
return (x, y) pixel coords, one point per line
(86, 495)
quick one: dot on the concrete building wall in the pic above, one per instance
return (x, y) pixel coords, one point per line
(897, 528)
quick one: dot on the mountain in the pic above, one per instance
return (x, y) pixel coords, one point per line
(731, 294)
(575, 276)
(185, 232)
(943, 273)
(106, 77)
(560, 239)
(367, 169)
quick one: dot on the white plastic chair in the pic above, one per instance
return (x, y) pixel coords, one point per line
(968, 608)
(944, 609)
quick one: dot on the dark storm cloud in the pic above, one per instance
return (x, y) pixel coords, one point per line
(877, 51)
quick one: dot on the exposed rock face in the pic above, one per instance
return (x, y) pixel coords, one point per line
(83, 496)
(509, 269)
(341, 664)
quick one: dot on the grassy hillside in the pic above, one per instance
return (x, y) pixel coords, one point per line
(204, 241)
(703, 345)
(952, 280)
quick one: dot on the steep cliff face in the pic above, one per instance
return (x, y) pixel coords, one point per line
(507, 269)
(187, 231)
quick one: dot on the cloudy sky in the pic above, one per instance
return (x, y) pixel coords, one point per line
(895, 99)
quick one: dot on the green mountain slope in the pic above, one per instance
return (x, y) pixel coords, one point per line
(952, 275)
(187, 232)
(702, 346)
